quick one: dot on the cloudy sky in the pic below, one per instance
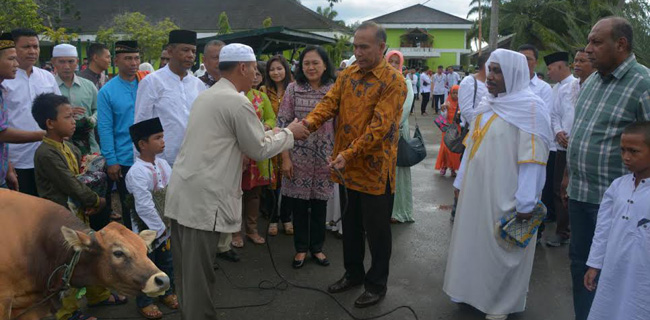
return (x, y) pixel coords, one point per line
(360, 10)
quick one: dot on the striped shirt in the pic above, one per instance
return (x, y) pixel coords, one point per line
(606, 105)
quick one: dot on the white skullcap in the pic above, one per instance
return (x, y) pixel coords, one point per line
(237, 52)
(64, 50)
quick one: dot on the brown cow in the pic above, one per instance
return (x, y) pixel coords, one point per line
(37, 236)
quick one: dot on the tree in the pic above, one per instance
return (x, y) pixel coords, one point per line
(224, 24)
(332, 2)
(59, 35)
(338, 49)
(267, 23)
(330, 14)
(136, 26)
(20, 14)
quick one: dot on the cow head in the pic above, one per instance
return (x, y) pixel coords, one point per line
(116, 258)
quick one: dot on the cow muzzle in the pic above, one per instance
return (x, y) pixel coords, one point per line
(157, 285)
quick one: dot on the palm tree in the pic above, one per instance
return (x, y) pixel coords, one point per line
(328, 12)
(494, 24)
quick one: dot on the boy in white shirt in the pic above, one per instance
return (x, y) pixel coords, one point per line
(147, 181)
(620, 248)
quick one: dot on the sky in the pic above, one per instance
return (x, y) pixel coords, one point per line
(360, 10)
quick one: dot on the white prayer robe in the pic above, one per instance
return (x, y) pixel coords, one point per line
(506, 173)
(163, 94)
(621, 249)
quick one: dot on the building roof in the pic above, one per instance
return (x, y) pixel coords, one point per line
(270, 40)
(419, 14)
(202, 15)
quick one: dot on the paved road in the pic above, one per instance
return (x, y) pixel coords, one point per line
(417, 268)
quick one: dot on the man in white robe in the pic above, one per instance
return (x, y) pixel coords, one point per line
(503, 172)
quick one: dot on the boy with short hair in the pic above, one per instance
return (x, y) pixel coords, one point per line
(620, 248)
(56, 165)
(147, 181)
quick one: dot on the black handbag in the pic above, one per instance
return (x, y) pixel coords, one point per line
(455, 134)
(411, 151)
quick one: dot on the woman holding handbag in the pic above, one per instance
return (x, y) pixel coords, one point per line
(403, 203)
(446, 158)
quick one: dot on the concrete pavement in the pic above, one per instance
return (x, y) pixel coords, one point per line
(417, 267)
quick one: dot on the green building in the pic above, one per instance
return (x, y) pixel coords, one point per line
(426, 36)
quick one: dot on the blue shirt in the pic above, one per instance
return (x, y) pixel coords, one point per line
(115, 113)
(4, 124)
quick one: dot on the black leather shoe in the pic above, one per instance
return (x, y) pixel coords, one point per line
(322, 262)
(297, 264)
(368, 299)
(229, 255)
(342, 285)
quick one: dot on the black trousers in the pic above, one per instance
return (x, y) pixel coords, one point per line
(285, 210)
(123, 192)
(425, 101)
(438, 100)
(547, 193)
(415, 97)
(367, 217)
(27, 181)
(309, 224)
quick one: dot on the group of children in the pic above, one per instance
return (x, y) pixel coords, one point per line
(57, 165)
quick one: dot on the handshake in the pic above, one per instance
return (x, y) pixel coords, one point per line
(298, 128)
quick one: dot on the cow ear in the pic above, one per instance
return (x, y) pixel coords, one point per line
(148, 236)
(76, 239)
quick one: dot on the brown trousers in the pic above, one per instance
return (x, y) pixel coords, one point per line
(193, 253)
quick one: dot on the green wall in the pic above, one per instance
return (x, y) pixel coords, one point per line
(442, 38)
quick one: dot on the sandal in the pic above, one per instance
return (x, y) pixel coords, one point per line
(77, 315)
(256, 239)
(288, 228)
(443, 171)
(116, 301)
(170, 301)
(453, 173)
(115, 216)
(273, 229)
(237, 241)
(151, 312)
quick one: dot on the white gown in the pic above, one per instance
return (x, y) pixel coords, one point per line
(621, 248)
(506, 173)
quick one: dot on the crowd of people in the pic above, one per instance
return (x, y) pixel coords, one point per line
(198, 158)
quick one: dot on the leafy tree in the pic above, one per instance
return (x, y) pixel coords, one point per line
(59, 35)
(136, 26)
(330, 14)
(332, 2)
(20, 14)
(340, 48)
(224, 24)
(267, 23)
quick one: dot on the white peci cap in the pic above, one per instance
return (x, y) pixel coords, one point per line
(64, 50)
(237, 52)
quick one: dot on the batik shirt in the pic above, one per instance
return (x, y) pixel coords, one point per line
(368, 108)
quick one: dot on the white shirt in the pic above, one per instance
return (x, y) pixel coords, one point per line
(544, 91)
(18, 101)
(466, 100)
(413, 79)
(439, 84)
(425, 83)
(563, 107)
(141, 183)
(163, 94)
(620, 248)
(452, 79)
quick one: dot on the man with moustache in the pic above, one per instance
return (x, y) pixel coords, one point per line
(30, 81)
(617, 95)
(8, 70)
(169, 92)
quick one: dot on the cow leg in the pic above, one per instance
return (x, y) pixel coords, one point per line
(5, 308)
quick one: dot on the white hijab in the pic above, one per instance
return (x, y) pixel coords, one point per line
(518, 106)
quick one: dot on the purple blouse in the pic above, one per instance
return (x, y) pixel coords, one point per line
(311, 175)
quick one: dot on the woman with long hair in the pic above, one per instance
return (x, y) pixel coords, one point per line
(305, 176)
(403, 204)
(276, 81)
(446, 158)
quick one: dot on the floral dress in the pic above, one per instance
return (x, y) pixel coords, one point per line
(259, 173)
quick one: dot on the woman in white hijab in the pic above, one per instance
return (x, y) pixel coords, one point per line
(146, 67)
(501, 177)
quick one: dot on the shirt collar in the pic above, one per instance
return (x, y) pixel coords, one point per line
(75, 81)
(622, 69)
(57, 145)
(377, 70)
(568, 79)
(534, 80)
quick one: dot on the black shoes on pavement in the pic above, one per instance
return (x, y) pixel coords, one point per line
(366, 299)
